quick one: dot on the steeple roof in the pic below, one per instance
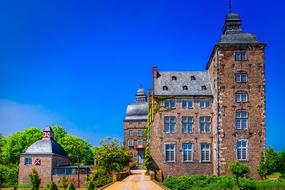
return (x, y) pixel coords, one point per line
(232, 32)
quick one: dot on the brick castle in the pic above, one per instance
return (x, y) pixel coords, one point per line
(207, 119)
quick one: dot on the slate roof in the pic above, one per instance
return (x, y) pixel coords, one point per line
(232, 32)
(175, 87)
(46, 147)
(240, 38)
(139, 109)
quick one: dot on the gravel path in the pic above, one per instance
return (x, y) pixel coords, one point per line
(136, 181)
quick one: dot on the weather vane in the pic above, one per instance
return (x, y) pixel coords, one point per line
(230, 5)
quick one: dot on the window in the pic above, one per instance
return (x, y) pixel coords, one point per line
(28, 161)
(169, 152)
(205, 124)
(205, 153)
(185, 87)
(187, 124)
(187, 152)
(140, 133)
(169, 124)
(169, 103)
(241, 77)
(174, 78)
(241, 150)
(203, 87)
(130, 143)
(205, 103)
(140, 143)
(193, 78)
(164, 88)
(187, 104)
(131, 133)
(241, 120)
(240, 56)
(241, 97)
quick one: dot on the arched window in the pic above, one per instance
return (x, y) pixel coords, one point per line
(193, 78)
(241, 97)
(174, 78)
(164, 88)
(185, 87)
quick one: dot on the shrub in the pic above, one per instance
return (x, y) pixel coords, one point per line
(91, 186)
(239, 170)
(71, 187)
(35, 179)
(53, 186)
(24, 185)
(64, 183)
(100, 177)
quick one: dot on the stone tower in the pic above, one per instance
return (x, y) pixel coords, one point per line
(236, 71)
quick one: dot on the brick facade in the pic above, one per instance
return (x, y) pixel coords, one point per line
(236, 53)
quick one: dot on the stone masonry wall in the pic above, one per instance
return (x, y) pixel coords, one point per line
(255, 87)
(135, 126)
(159, 138)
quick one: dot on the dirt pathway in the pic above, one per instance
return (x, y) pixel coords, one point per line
(136, 181)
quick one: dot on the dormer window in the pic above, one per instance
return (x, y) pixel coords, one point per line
(193, 78)
(203, 87)
(240, 56)
(174, 78)
(185, 87)
(164, 88)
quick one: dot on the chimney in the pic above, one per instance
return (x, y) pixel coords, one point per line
(154, 72)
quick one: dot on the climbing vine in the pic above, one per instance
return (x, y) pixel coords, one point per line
(154, 107)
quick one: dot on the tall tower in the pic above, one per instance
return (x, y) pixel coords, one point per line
(236, 71)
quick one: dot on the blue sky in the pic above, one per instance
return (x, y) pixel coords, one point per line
(79, 63)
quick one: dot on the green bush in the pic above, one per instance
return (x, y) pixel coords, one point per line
(100, 177)
(239, 170)
(35, 179)
(9, 175)
(63, 183)
(71, 187)
(24, 185)
(221, 183)
(91, 186)
(53, 186)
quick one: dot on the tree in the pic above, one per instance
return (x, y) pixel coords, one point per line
(71, 187)
(58, 132)
(239, 170)
(18, 143)
(262, 170)
(78, 149)
(9, 175)
(64, 183)
(111, 155)
(35, 179)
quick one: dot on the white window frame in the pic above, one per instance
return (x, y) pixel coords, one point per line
(202, 151)
(168, 122)
(131, 133)
(205, 103)
(205, 123)
(188, 150)
(239, 117)
(241, 149)
(189, 104)
(241, 55)
(30, 161)
(241, 77)
(140, 142)
(169, 103)
(140, 133)
(241, 97)
(189, 122)
(130, 143)
(174, 150)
